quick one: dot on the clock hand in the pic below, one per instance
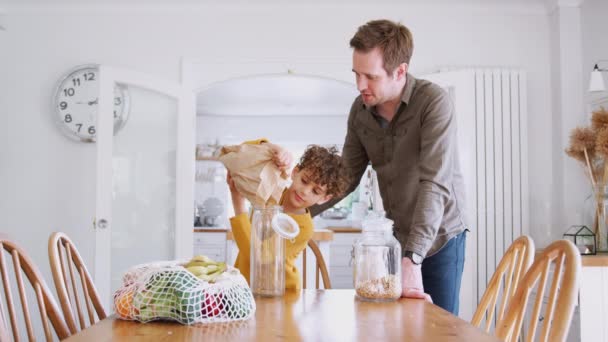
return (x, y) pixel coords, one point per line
(93, 102)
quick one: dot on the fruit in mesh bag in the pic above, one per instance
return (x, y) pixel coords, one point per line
(205, 268)
(123, 305)
(213, 305)
(170, 294)
(239, 304)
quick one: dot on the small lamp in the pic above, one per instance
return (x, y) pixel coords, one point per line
(596, 82)
(583, 238)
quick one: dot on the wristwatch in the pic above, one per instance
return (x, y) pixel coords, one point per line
(416, 258)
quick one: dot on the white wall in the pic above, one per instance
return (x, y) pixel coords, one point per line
(595, 36)
(47, 182)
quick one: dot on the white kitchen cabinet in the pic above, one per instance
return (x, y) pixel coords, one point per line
(341, 267)
(593, 299)
(211, 244)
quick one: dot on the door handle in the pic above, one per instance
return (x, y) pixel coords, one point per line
(102, 224)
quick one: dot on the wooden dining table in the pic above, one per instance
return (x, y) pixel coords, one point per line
(306, 315)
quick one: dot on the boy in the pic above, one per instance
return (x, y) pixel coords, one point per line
(318, 177)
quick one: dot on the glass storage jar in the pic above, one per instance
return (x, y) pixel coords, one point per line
(377, 261)
(269, 229)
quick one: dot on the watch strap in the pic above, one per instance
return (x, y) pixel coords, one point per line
(414, 257)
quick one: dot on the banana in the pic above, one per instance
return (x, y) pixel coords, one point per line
(202, 258)
(204, 277)
(212, 276)
(205, 268)
(209, 277)
(199, 263)
(197, 270)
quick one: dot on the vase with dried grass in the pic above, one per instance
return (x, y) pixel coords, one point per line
(589, 145)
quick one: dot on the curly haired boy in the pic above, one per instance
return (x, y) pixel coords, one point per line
(318, 176)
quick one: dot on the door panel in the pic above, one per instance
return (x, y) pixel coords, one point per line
(143, 187)
(145, 176)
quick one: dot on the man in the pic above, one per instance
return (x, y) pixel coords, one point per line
(406, 128)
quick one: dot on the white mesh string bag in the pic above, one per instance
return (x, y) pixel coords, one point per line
(167, 291)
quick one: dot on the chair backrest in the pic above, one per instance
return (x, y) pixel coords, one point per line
(320, 267)
(563, 293)
(509, 272)
(75, 291)
(49, 311)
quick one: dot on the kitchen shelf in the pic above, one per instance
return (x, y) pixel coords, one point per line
(210, 229)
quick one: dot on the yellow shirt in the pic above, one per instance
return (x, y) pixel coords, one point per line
(241, 229)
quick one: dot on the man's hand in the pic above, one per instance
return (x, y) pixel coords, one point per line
(281, 157)
(411, 281)
(238, 201)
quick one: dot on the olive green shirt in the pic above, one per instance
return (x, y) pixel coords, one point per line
(416, 158)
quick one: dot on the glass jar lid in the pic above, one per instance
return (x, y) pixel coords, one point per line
(285, 226)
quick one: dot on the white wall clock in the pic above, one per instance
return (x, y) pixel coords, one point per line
(76, 103)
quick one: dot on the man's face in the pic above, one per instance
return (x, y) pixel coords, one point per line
(303, 192)
(373, 82)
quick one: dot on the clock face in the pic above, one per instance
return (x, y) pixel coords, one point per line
(76, 103)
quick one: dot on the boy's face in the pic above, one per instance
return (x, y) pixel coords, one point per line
(303, 192)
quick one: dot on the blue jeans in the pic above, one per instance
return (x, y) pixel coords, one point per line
(442, 274)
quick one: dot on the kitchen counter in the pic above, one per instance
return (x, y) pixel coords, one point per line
(598, 260)
(210, 230)
(318, 235)
(344, 229)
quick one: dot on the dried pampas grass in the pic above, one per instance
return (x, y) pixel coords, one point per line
(585, 145)
(582, 139)
(601, 142)
(599, 119)
(589, 145)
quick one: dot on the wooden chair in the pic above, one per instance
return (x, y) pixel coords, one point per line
(563, 294)
(3, 332)
(320, 268)
(513, 265)
(79, 291)
(49, 311)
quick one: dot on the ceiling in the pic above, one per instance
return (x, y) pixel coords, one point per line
(47, 3)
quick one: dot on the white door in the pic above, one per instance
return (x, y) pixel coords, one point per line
(145, 176)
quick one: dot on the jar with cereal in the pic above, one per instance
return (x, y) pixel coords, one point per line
(377, 261)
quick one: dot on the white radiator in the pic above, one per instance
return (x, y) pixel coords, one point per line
(491, 116)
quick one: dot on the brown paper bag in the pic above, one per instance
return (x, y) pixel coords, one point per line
(254, 173)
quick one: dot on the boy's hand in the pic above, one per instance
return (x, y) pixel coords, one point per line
(281, 157)
(230, 182)
(238, 201)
